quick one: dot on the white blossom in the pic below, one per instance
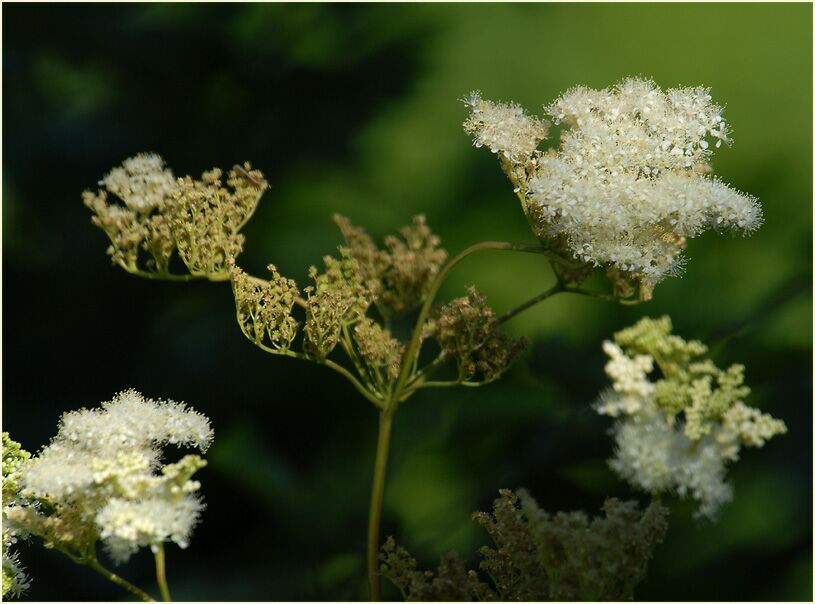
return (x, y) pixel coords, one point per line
(628, 183)
(141, 182)
(127, 525)
(678, 431)
(630, 180)
(130, 420)
(506, 129)
(102, 474)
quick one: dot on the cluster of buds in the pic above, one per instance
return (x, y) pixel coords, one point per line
(399, 275)
(152, 218)
(394, 280)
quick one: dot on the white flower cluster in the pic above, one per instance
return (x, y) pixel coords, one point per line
(103, 476)
(659, 446)
(506, 129)
(15, 577)
(630, 181)
(141, 182)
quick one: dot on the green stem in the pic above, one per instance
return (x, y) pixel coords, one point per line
(599, 296)
(413, 347)
(221, 276)
(377, 491)
(328, 363)
(556, 288)
(113, 577)
(161, 574)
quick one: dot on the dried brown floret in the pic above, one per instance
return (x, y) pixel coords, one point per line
(468, 330)
(378, 349)
(450, 583)
(537, 556)
(400, 274)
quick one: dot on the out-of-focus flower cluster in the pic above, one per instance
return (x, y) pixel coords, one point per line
(537, 556)
(102, 478)
(630, 181)
(15, 580)
(678, 432)
(158, 217)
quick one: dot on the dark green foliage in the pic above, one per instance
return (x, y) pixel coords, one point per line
(539, 556)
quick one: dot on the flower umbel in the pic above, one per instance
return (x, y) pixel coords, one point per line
(677, 433)
(161, 217)
(630, 181)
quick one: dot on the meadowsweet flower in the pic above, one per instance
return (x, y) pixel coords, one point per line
(506, 129)
(630, 181)
(15, 580)
(158, 216)
(141, 182)
(677, 433)
(102, 478)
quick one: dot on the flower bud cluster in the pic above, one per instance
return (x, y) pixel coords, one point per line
(101, 477)
(396, 278)
(677, 432)
(468, 331)
(160, 216)
(337, 299)
(629, 183)
(264, 307)
(400, 274)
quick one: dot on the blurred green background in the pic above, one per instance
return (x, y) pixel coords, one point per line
(353, 109)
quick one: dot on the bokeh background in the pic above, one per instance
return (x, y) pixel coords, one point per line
(353, 109)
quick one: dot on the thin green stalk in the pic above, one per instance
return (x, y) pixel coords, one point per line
(556, 288)
(413, 347)
(161, 573)
(599, 295)
(113, 577)
(328, 363)
(377, 491)
(166, 276)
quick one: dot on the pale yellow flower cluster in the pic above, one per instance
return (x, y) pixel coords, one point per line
(678, 432)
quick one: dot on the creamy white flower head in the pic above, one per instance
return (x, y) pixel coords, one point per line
(629, 182)
(103, 470)
(630, 382)
(653, 456)
(130, 420)
(506, 129)
(141, 182)
(126, 525)
(58, 472)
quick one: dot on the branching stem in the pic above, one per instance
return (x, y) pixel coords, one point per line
(114, 578)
